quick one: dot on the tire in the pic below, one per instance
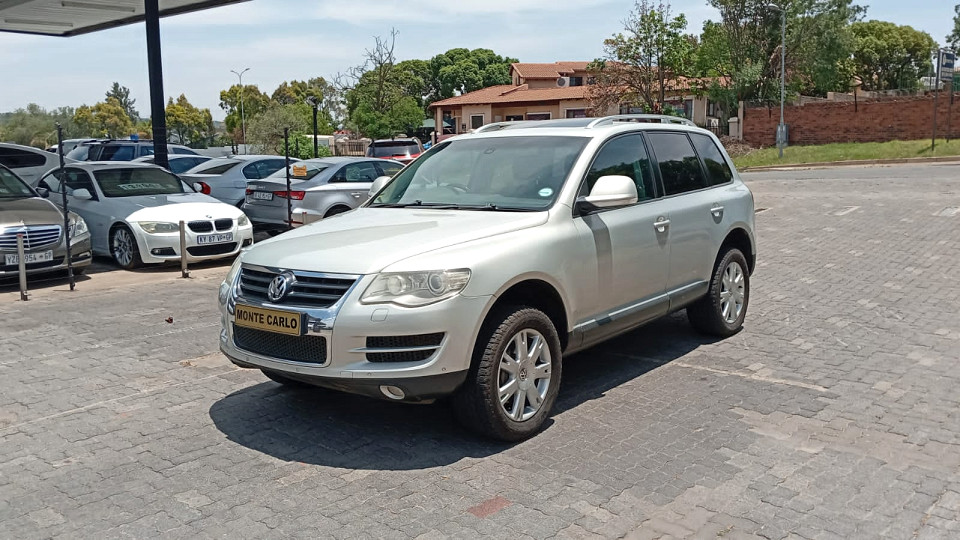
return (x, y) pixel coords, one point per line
(715, 315)
(284, 380)
(336, 210)
(477, 403)
(124, 249)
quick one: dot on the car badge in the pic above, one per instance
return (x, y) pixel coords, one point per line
(280, 286)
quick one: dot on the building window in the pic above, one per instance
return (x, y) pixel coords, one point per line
(711, 108)
(576, 113)
(514, 117)
(538, 116)
(576, 81)
(476, 120)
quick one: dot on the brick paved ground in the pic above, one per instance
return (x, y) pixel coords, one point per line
(834, 414)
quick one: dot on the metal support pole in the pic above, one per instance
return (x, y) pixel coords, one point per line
(243, 118)
(22, 258)
(316, 147)
(184, 272)
(936, 100)
(286, 156)
(66, 211)
(158, 112)
(781, 129)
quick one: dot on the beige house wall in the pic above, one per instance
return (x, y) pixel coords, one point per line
(469, 110)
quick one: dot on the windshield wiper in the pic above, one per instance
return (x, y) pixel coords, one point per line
(417, 203)
(496, 208)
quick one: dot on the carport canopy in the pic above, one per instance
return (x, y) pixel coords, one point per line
(65, 18)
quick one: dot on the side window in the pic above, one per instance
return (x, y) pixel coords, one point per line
(79, 180)
(51, 182)
(270, 166)
(679, 166)
(14, 158)
(712, 157)
(146, 150)
(623, 156)
(118, 152)
(251, 172)
(389, 168)
(360, 172)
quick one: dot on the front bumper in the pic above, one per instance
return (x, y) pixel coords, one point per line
(347, 324)
(159, 248)
(79, 251)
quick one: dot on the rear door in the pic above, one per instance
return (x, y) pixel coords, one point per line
(351, 184)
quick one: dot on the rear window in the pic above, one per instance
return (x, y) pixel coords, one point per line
(301, 171)
(134, 182)
(16, 158)
(394, 148)
(118, 152)
(217, 169)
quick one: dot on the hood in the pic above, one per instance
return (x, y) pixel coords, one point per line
(367, 240)
(172, 208)
(31, 211)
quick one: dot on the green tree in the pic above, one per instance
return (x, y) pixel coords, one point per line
(318, 89)
(888, 55)
(651, 53)
(105, 119)
(953, 39)
(192, 126)
(254, 102)
(266, 129)
(122, 94)
(36, 126)
(460, 70)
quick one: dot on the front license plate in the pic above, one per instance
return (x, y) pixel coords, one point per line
(42, 256)
(271, 320)
(204, 239)
(262, 195)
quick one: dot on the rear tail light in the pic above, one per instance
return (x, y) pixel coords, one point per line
(295, 195)
(204, 188)
(249, 191)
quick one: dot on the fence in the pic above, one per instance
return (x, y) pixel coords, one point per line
(350, 147)
(720, 129)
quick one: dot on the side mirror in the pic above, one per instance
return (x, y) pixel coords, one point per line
(43, 192)
(82, 194)
(609, 192)
(378, 185)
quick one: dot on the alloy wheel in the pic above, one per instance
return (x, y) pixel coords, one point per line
(732, 292)
(524, 374)
(123, 247)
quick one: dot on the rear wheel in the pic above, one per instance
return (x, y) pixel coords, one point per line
(123, 247)
(721, 312)
(515, 376)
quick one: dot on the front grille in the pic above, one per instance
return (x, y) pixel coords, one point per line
(34, 236)
(57, 261)
(212, 249)
(200, 226)
(311, 291)
(223, 224)
(401, 342)
(308, 349)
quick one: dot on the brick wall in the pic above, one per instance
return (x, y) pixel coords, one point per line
(879, 120)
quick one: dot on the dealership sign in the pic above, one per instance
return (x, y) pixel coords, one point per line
(947, 60)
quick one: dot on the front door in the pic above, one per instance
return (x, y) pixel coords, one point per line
(630, 244)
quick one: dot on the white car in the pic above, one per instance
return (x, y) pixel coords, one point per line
(134, 210)
(178, 163)
(28, 162)
(225, 179)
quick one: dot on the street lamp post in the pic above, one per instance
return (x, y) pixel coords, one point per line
(243, 120)
(781, 128)
(312, 101)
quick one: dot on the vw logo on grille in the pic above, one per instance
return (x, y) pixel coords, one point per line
(280, 286)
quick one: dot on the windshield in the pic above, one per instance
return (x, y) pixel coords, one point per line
(134, 182)
(303, 170)
(12, 187)
(502, 173)
(394, 148)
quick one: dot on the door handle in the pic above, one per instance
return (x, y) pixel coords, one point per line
(716, 210)
(356, 195)
(661, 224)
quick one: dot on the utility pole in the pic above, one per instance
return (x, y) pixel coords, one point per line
(243, 120)
(936, 99)
(782, 128)
(312, 101)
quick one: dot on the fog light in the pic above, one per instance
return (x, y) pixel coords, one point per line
(392, 392)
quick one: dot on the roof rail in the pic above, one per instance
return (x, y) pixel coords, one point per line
(661, 118)
(497, 126)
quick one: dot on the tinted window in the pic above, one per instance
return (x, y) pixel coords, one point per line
(679, 166)
(217, 169)
(388, 168)
(717, 167)
(80, 153)
(181, 165)
(118, 152)
(358, 172)
(16, 158)
(132, 182)
(12, 187)
(270, 166)
(302, 170)
(182, 150)
(146, 150)
(250, 172)
(624, 156)
(394, 148)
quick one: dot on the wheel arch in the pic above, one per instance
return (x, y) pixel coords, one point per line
(336, 206)
(739, 238)
(533, 291)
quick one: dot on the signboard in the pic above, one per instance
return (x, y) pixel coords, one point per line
(947, 60)
(299, 170)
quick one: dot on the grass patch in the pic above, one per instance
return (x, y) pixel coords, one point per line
(798, 155)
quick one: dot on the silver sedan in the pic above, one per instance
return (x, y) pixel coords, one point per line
(225, 179)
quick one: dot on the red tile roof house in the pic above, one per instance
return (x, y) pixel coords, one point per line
(538, 92)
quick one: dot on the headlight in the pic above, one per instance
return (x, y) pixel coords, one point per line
(243, 220)
(414, 289)
(158, 227)
(228, 281)
(78, 227)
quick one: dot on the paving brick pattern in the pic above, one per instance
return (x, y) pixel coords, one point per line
(834, 414)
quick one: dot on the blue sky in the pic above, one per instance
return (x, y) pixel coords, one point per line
(298, 39)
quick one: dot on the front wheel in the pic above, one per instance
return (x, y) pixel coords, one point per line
(515, 376)
(721, 312)
(123, 247)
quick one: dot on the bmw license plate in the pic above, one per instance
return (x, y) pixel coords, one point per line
(205, 239)
(41, 256)
(262, 195)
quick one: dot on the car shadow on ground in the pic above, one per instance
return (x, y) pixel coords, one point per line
(339, 430)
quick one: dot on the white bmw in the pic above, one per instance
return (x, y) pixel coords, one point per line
(134, 213)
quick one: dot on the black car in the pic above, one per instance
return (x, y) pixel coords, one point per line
(120, 150)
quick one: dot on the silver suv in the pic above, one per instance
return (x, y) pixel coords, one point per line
(473, 271)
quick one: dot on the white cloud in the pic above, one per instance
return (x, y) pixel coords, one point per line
(365, 12)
